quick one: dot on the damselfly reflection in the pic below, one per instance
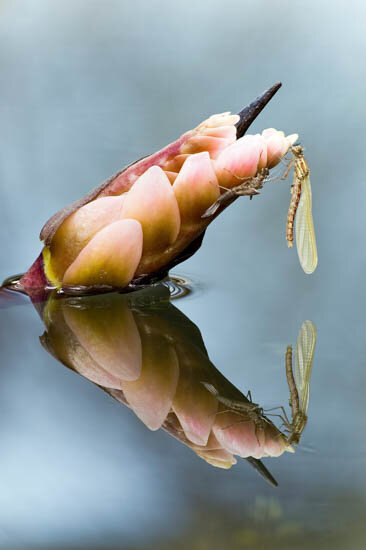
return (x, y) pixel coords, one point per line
(234, 404)
(300, 212)
(140, 349)
(252, 410)
(299, 384)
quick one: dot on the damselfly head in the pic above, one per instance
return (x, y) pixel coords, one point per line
(294, 438)
(297, 151)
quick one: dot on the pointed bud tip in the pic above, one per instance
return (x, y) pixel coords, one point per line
(251, 111)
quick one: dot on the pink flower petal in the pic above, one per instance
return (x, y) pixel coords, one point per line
(196, 187)
(226, 132)
(199, 143)
(277, 146)
(239, 161)
(112, 340)
(152, 202)
(110, 258)
(152, 394)
(77, 230)
(217, 120)
(269, 132)
(175, 164)
(262, 163)
(172, 176)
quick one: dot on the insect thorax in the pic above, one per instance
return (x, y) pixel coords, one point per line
(297, 427)
(301, 168)
(297, 151)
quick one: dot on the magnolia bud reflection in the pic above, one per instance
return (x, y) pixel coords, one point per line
(145, 353)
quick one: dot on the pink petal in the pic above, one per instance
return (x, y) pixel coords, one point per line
(217, 120)
(196, 187)
(226, 132)
(199, 143)
(152, 394)
(262, 163)
(110, 258)
(77, 230)
(269, 132)
(171, 176)
(239, 161)
(110, 337)
(277, 146)
(175, 164)
(152, 202)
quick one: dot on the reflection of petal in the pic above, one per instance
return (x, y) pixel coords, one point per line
(244, 437)
(275, 443)
(110, 258)
(152, 394)
(63, 344)
(195, 408)
(238, 435)
(219, 458)
(211, 445)
(85, 365)
(112, 340)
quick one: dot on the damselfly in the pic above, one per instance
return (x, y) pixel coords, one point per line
(234, 404)
(299, 385)
(248, 409)
(248, 187)
(300, 212)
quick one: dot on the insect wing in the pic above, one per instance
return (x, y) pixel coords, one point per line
(304, 354)
(304, 230)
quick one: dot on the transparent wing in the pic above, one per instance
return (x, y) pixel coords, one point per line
(304, 354)
(304, 230)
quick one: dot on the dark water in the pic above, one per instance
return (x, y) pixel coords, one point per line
(88, 87)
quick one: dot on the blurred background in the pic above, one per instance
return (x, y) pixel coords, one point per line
(88, 87)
